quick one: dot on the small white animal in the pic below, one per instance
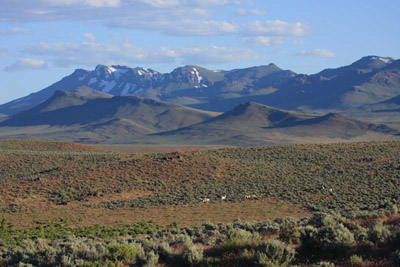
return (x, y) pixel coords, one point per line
(205, 200)
(223, 197)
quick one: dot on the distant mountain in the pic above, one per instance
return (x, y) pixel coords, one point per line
(390, 105)
(370, 80)
(253, 123)
(185, 85)
(103, 118)
(103, 111)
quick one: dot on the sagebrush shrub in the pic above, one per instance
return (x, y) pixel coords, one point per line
(194, 255)
(324, 264)
(274, 253)
(378, 233)
(151, 259)
(355, 259)
(120, 252)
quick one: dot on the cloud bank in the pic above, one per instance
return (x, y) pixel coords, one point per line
(26, 64)
(317, 53)
(127, 53)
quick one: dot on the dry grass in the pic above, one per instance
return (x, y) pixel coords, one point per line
(35, 174)
(79, 215)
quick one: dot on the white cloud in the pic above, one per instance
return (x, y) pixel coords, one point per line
(276, 28)
(262, 40)
(215, 55)
(171, 17)
(187, 3)
(210, 3)
(126, 53)
(14, 31)
(92, 3)
(250, 12)
(316, 53)
(161, 3)
(25, 64)
(90, 36)
(184, 27)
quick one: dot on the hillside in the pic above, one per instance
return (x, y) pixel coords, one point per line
(254, 123)
(136, 187)
(98, 207)
(67, 109)
(134, 120)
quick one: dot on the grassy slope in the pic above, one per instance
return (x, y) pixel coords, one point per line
(254, 124)
(45, 181)
(93, 119)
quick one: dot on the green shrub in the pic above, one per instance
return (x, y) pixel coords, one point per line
(361, 237)
(183, 239)
(194, 255)
(290, 236)
(120, 252)
(209, 226)
(321, 219)
(336, 239)
(274, 253)
(238, 238)
(151, 259)
(356, 260)
(378, 233)
(308, 238)
(324, 264)
(164, 249)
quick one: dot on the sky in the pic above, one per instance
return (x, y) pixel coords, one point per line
(43, 41)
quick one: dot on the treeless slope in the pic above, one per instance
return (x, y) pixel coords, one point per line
(45, 145)
(66, 108)
(120, 127)
(62, 99)
(253, 123)
(247, 117)
(336, 126)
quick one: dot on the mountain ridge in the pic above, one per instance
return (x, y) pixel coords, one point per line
(81, 110)
(369, 80)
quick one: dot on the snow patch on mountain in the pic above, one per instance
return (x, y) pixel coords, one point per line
(92, 80)
(196, 72)
(107, 86)
(82, 77)
(384, 59)
(128, 88)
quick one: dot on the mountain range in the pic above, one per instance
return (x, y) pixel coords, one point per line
(370, 80)
(95, 117)
(193, 105)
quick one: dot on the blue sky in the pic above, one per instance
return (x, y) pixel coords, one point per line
(42, 41)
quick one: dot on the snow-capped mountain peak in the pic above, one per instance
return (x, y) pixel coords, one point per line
(387, 60)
